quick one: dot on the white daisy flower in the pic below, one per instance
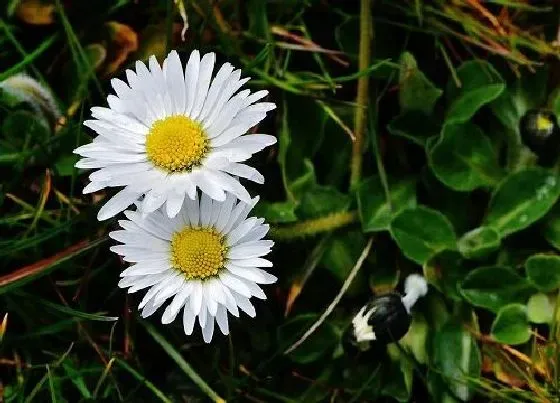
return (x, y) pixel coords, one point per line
(169, 131)
(207, 260)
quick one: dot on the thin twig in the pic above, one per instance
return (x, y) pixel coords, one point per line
(336, 300)
(366, 30)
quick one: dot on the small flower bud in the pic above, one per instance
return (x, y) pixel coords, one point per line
(386, 318)
(540, 133)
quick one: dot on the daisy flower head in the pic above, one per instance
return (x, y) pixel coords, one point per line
(207, 260)
(169, 131)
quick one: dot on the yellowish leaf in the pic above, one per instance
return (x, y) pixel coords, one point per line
(36, 12)
(124, 41)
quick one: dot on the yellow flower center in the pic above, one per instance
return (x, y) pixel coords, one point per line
(543, 123)
(176, 143)
(198, 252)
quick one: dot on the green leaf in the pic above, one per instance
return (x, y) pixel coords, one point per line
(415, 339)
(480, 84)
(445, 271)
(373, 207)
(457, 357)
(65, 165)
(556, 105)
(463, 158)
(279, 212)
(76, 377)
(479, 243)
(544, 271)
(414, 126)
(295, 146)
(416, 91)
(320, 201)
(527, 92)
(492, 287)
(321, 342)
(521, 199)
(511, 325)
(341, 254)
(422, 232)
(540, 309)
(399, 375)
(551, 227)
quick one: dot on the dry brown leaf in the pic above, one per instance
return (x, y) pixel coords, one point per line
(36, 12)
(124, 41)
(507, 377)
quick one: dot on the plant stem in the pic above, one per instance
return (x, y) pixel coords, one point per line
(362, 96)
(315, 226)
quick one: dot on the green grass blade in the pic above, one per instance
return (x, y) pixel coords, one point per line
(158, 393)
(187, 369)
(67, 310)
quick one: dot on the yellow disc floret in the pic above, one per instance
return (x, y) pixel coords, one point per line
(176, 143)
(198, 252)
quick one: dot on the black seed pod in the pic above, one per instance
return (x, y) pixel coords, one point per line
(540, 133)
(383, 320)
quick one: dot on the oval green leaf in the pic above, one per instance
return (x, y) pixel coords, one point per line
(511, 325)
(479, 243)
(544, 271)
(493, 287)
(463, 158)
(445, 271)
(422, 232)
(414, 126)
(480, 84)
(374, 209)
(457, 358)
(540, 309)
(521, 199)
(416, 91)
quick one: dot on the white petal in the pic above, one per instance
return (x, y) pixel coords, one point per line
(252, 274)
(205, 209)
(244, 171)
(206, 68)
(193, 210)
(235, 284)
(209, 187)
(203, 315)
(174, 77)
(253, 262)
(241, 230)
(243, 303)
(147, 267)
(225, 212)
(150, 308)
(188, 320)
(222, 319)
(230, 304)
(178, 302)
(117, 203)
(215, 88)
(208, 330)
(196, 297)
(174, 203)
(191, 79)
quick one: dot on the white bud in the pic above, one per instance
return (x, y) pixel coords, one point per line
(415, 286)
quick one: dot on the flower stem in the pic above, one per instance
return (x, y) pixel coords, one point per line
(315, 226)
(362, 96)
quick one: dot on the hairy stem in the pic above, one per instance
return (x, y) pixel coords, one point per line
(315, 226)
